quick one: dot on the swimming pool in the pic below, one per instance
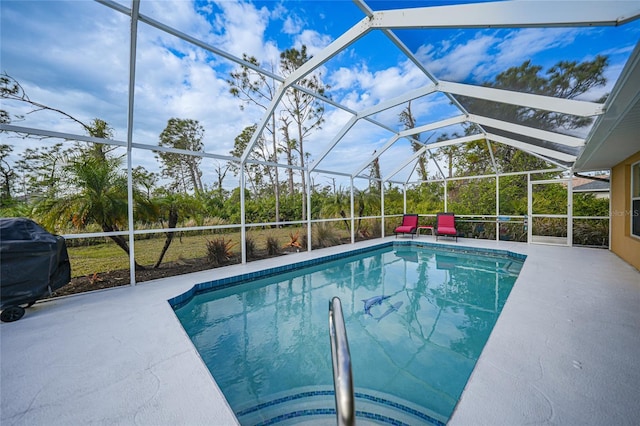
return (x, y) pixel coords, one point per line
(417, 318)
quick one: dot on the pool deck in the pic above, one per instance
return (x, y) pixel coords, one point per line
(565, 350)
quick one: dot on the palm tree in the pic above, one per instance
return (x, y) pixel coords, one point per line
(100, 196)
(338, 205)
(172, 206)
(366, 202)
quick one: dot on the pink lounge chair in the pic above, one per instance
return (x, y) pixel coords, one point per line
(409, 225)
(446, 225)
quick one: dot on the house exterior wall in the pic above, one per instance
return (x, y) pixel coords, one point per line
(622, 242)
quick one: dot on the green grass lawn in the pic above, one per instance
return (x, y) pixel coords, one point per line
(109, 257)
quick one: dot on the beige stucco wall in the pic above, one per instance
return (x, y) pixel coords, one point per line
(622, 243)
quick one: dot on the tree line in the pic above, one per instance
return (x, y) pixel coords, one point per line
(66, 187)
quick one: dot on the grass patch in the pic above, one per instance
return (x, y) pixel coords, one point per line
(107, 257)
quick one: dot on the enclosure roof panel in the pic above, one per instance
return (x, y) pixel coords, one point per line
(557, 79)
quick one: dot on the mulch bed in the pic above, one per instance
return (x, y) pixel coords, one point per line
(121, 277)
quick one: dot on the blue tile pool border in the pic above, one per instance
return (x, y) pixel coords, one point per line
(184, 298)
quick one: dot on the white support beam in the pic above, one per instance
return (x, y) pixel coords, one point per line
(432, 126)
(133, 44)
(550, 161)
(59, 135)
(405, 163)
(400, 45)
(183, 36)
(622, 104)
(415, 166)
(527, 131)
(338, 45)
(332, 173)
(546, 103)
(263, 123)
(435, 162)
(184, 152)
(112, 142)
(532, 148)
(510, 14)
(456, 141)
(337, 138)
(406, 97)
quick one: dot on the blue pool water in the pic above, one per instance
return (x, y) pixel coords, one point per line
(266, 341)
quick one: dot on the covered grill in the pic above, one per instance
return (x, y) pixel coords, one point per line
(33, 263)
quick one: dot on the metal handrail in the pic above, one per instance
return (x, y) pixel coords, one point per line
(341, 360)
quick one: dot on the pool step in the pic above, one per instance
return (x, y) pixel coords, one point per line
(317, 407)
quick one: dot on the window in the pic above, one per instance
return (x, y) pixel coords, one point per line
(635, 199)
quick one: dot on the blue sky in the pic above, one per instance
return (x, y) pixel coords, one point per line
(73, 55)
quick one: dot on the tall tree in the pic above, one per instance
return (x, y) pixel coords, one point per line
(184, 170)
(220, 169)
(566, 79)
(98, 129)
(42, 165)
(256, 88)
(375, 182)
(288, 147)
(408, 119)
(7, 174)
(449, 153)
(11, 89)
(255, 172)
(306, 111)
(43, 170)
(145, 179)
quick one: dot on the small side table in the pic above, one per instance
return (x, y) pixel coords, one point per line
(425, 227)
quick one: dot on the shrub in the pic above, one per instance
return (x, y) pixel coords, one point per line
(250, 246)
(219, 251)
(325, 235)
(591, 232)
(273, 246)
(550, 226)
(370, 228)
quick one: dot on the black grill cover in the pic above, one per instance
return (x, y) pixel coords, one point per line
(32, 262)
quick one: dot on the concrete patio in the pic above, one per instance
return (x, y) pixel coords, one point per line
(565, 350)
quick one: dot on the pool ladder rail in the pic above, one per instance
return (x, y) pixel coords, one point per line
(341, 360)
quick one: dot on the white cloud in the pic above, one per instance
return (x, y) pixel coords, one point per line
(181, 15)
(459, 62)
(481, 57)
(292, 24)
(242, 27)
(66, 59)
(345, 78)
(520, 45)
(359, 88)
(314, 41)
